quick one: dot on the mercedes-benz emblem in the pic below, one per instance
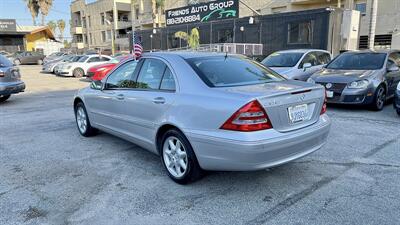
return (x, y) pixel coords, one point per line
(328, 85)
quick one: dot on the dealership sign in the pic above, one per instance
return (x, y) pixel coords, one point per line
(8, 25)
(205, 12)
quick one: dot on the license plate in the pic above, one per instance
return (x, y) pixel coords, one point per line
(329, 94)
(298, 113)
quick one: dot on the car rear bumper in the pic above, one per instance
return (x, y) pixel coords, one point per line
(248, 153)
(8, 88)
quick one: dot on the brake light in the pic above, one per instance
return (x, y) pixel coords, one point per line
(2, 73)
(251, 117)
(324, 106)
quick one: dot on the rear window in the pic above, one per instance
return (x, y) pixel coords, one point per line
(4, 62)
(288, 59)
(221, 71)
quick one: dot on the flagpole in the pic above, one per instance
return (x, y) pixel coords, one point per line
(133, 12)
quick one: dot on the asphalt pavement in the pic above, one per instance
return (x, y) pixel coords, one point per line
(49, 174)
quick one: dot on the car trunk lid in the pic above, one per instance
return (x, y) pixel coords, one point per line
(290, 105)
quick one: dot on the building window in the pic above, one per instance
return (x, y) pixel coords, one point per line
(383, 41)
(85, 39)
(137, 13)
(84, 22)
(108, 35)
(90, 22)
(102, 19)
(91, 38)
(103, 36)
(300, 32)
(362, 7)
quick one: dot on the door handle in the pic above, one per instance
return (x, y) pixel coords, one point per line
(120, 97)
(159, 100)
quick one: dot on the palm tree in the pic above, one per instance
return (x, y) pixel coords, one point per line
(45, 6)
(33, 7)
(193, 39)
(52, 25)
(160, 6)
(61, 28)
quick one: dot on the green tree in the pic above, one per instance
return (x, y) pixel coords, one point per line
(193, 39)
(61, 28)
(52, 25)
(45, 6)
(33, 8)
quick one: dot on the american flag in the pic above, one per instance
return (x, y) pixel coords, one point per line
(137, 46)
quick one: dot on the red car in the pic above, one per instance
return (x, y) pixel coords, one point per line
(100, 71)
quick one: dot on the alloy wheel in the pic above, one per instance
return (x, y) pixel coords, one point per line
(175, 157)
(81, 119)
(380, 98)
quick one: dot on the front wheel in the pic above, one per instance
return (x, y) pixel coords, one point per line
(179, 159)
(379, 99)
(82, 121)
(4, 98)
(78, 72)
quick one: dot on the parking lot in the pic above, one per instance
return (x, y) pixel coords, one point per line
(49, 174)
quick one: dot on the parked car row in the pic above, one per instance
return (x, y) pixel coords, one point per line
(10, 79)
(358, 78)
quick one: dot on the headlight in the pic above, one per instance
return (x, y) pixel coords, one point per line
(360, 84)
(398, 87)
(310, 80)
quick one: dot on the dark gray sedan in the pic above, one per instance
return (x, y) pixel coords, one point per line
(397, 100)
(27, 58)
(10, 79)
(361, 77)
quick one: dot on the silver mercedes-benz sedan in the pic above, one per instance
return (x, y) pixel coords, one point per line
(206, 111)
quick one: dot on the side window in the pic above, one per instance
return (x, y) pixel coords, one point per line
(122, 77)
(395, 57)
(150, 74)
(104, 59)
(309, 58)
(390, 63)
(94, 59)
(168, 81)
(323, 58)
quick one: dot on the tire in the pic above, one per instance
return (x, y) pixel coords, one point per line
(4, 98)
(398, 111)
(82, 121)
(379, 98)
(17, 62)
(175, 159)
(78, 72)
(40, 62)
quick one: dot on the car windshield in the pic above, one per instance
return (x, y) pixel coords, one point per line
(221, 71)
(4, 62)
(117, 59)
(287, 59)
(358, 61)
(83, 59)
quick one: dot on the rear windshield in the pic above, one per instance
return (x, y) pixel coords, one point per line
(221, 71)
(4, 62)
(358, 61)
(287, 59)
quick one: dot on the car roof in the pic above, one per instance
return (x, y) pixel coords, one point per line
(187, 55)
(385, 51)
(302, 50)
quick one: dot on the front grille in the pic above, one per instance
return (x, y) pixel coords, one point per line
(336, 87)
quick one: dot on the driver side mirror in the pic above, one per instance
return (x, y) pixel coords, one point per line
(393, 68)
(306, 66)
(96, 85)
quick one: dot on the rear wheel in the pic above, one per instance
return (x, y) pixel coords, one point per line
(178, 158)
(78, 72)
(82, 121)
(379, 98)
(4, 98)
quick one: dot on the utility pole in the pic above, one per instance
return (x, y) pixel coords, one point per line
(133, 18)
(372, 24)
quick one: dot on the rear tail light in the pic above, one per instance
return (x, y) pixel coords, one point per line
(251, 117)
(2, 73)
(324, 106)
